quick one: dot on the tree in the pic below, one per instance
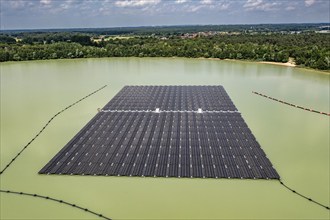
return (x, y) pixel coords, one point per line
(7, 39)
(82, 39)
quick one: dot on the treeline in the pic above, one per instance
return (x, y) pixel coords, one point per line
(49, 38)
(308, 49)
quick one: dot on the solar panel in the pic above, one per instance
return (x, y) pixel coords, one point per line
(130, 138)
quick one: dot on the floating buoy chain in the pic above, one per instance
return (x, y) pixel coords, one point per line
(293, 105)
(305, 197)
(55, 200)
(57, 114)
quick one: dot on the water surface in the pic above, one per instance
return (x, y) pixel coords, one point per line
(296, 141)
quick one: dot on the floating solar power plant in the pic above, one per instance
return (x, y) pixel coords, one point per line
(172, 98)
(170, 142)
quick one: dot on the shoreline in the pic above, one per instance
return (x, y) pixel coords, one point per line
(290, 63)
(287, 64)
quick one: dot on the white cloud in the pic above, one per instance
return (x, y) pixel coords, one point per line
(290, 8)
(136, 3)
(180, 1)
(45, 2)
(206, 2)
(67, 4)
(260, 5)
(224, 6)
(17, 4)
(252, 3)
(309, 2)
(207, 5)
(194, 8)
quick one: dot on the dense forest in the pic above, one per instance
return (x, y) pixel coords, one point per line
(308, 49)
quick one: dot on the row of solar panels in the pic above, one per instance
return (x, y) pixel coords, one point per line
(89, 151)
(105, 128)
(160, 158)
(185, 121)
(85, 151)
(185, 170)
(177, 98)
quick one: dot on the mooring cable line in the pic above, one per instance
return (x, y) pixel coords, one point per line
(51, 119)
(306, 109)
(301, 195)
(290, 104)
(55, 200)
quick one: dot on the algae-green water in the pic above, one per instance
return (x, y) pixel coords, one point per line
(295, 141)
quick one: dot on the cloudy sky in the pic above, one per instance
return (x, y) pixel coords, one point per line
(34, 14)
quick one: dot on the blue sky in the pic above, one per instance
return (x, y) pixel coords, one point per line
(34, 14)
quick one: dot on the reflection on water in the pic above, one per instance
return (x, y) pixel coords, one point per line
(297, 142)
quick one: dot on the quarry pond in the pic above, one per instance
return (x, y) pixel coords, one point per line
(295, 141)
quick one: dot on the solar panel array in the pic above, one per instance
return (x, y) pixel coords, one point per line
(172, 98)
(124, 140)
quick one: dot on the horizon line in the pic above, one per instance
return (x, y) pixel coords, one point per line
(151, 26)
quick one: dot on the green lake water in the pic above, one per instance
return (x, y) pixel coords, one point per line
(296, 141)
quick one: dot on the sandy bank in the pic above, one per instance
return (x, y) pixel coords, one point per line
(290, 63)
(280, 64)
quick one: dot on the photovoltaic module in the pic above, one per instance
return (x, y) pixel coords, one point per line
(165, 131)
